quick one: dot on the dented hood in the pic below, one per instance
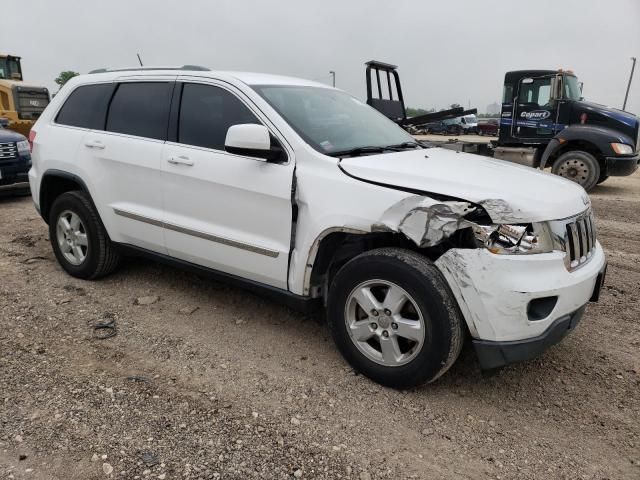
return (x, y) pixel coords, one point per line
(508, 192)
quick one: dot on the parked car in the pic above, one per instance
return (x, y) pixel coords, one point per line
(15, 162)
(304, 193)
(488, 127)
(443, 127)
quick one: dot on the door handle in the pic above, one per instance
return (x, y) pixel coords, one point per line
(94, 144)
(181, 160)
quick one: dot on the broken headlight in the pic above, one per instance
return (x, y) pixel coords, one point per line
(514, 239)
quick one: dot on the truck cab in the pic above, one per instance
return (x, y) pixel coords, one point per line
(545, 118)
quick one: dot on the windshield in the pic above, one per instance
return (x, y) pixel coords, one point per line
(9, 69)
(470, 119)
(571, 88)
(332, 121)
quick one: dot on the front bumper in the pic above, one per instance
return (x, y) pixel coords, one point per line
(498, 354)
(622, 166)
(495, 292)
(15, 173)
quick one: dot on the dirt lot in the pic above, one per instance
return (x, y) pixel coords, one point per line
(207, 381)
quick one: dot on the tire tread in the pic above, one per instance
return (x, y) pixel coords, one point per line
(108, 256)
(419, 267)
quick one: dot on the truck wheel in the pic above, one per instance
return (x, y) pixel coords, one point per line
(79, 240)
(578, 166)
(394, 318)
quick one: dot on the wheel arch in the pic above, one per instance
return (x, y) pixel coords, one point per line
(334, 247)
(592, 139)
(577, 145)
(53, 184)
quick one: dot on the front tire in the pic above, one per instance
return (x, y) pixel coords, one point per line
(79, 240)
(394, 318)
(578, 166)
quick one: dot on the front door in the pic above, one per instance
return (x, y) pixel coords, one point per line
(535, 109)
(231, 213)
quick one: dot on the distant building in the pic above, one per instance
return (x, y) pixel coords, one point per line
(493, 108)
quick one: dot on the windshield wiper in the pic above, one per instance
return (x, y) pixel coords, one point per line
(354, 152)
(403, 145)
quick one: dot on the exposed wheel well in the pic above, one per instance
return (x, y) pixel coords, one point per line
(52, 186)
(337, 248)
(583, 145)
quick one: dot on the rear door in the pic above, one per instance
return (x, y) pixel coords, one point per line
(123, 159)
(228, 212)
(535, 109)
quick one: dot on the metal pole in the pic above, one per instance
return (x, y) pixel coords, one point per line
(139, 59)
(626, 95)
(333, 75)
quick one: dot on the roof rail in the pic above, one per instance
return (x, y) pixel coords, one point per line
(197, 68)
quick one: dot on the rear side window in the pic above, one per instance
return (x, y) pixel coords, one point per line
(141, 109)
(206, 113)
(87, 106)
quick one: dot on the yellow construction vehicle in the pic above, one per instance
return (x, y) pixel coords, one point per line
(20, 104)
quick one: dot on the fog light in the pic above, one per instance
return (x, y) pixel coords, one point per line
(541, 308)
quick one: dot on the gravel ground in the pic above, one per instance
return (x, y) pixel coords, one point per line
(207, 381)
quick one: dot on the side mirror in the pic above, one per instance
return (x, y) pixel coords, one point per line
(251, 140)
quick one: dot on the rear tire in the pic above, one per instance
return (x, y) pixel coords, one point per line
(79, 240)
(578, 166)
(410, 333)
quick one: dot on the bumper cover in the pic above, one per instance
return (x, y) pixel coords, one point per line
(622, 166)
(15, 172)
(498, 354)
(494, 292)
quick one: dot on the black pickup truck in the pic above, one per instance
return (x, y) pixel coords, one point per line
(15, 162)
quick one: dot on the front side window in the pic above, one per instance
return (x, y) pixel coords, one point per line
(332, 121)
(141, 109)
(206, 113)
(86, 107)
(537, 92)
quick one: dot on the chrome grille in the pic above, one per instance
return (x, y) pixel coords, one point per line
(580, 240)
(8, 151)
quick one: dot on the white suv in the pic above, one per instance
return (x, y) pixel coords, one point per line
(305, 193)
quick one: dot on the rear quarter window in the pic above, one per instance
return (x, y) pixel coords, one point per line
(86, 106)
(141, 109)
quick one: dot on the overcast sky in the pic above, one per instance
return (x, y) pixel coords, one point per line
(447, 51)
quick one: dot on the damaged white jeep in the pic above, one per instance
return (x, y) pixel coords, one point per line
(306, 194)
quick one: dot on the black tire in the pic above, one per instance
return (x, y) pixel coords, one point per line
(578, 166)
(101, 257)
(417, 276)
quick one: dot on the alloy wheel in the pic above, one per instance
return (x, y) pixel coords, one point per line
(384, 323)
(71, 235)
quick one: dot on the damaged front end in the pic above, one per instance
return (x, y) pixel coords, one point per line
(428, 222)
